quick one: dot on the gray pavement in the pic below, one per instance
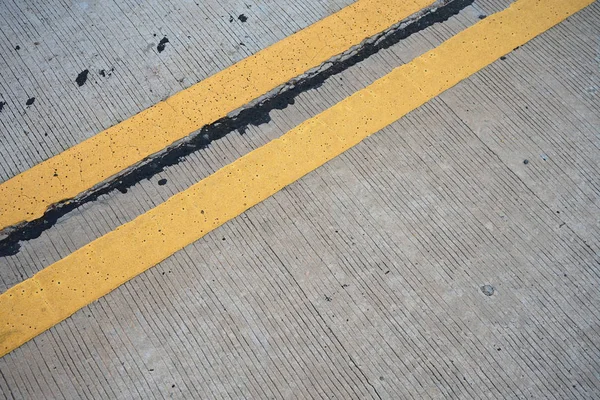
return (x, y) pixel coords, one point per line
(429, 261)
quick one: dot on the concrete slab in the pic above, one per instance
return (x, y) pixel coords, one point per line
(429, 261)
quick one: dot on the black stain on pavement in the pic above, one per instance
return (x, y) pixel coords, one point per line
(82, 77)
(162, 182)
(482, 16)
(30, 101)
(17, 47)
(242, 18)
(161, 45)
(106, 73)
(255, 115)
(2, 104)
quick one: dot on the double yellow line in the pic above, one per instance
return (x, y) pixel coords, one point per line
(64, 287)
(28, 195)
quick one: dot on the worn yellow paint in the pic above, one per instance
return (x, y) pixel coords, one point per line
(28, 195)
(99, 267)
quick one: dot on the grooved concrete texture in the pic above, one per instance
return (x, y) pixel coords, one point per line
(46, 46)
(427, 262)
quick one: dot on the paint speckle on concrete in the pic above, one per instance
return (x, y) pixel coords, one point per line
(82, 77)
(106, 73)
(161, 45)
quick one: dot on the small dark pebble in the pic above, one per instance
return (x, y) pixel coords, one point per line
(243, 18)
(173, 385)
(30, 101)
(503, 58)
(2, 104)
(82, 77)
(488, 290)
(161, 45)
(36, 43)
(162, 182)
(525, 161)
(17, 47)
(102, 73)
(231, 18)
(482, 16)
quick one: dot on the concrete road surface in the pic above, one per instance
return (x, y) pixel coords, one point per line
(452, 251)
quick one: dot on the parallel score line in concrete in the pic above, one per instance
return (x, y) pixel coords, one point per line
(28, 195)
(59, 290)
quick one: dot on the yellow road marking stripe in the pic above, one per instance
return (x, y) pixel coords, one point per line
(28, 195)
(64, 287)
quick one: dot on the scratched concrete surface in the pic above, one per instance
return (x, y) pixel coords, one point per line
(430, 261)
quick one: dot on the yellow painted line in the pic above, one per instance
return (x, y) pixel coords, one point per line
(28, 195)
(64, 287)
